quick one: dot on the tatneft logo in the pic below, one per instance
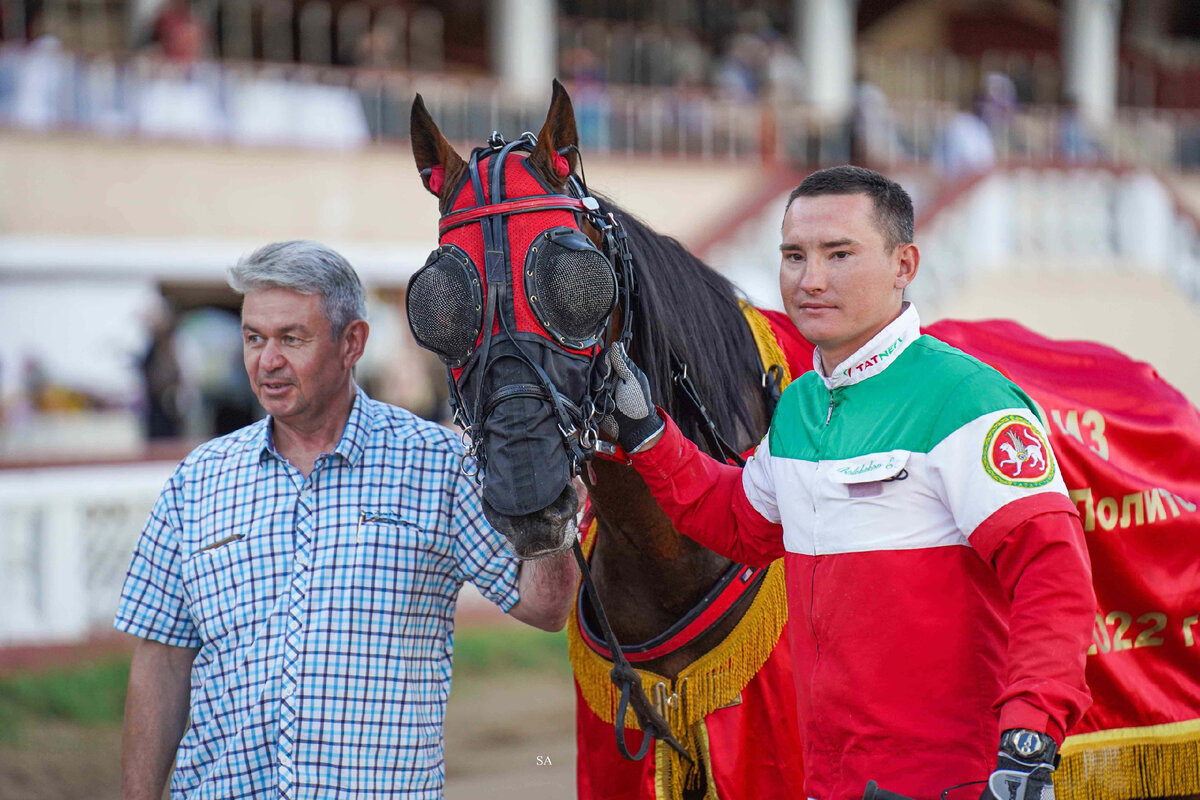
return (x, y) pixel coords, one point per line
(875, 359)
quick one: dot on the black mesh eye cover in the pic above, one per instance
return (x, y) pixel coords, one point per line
(571, 286)
(445, 305)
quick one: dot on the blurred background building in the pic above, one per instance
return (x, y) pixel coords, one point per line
(1052, 148)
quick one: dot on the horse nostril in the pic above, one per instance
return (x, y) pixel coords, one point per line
(568, 503)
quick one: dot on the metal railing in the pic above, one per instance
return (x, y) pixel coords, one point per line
(279, 31)
(43, 87)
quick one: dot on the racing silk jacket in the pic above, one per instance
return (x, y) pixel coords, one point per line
(939, 588)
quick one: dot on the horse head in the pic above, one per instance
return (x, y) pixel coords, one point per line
(515, 301)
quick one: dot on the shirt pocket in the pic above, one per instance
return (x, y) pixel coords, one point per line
(214, 575)
(867, 475)
(396, 562)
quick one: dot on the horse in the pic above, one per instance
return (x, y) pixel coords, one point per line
(648, 575)
(709, 363)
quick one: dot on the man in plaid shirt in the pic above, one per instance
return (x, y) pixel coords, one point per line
(294, 587)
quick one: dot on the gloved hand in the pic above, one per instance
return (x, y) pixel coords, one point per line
(1019, 776)
(633, 420)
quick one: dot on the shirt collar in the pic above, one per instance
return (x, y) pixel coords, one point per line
(876, 355)
(354, 436)
(358, 428)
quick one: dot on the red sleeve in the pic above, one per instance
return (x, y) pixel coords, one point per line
(1043, 566)
(705, 500)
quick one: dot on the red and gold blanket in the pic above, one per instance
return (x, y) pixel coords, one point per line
(1129, 448)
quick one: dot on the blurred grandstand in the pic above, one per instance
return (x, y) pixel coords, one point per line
(145, 145)
(1052, 148)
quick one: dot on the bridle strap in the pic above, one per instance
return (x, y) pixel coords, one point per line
(520, 206)
(626, 677)
(720, 445)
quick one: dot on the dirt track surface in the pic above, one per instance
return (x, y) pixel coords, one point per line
(495, 730)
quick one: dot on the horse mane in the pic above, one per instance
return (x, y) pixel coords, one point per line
(683, 305)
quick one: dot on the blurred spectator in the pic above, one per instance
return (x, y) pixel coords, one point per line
(689, 58)
(739, 72)
(17, 404)
(874, 137)
(997, 103)
(1075, 141)
(655, 67)
(686, 102)
(964, 146)
(217, 397)
(37, 385)
(589, 95)
(159, 370)
(37, 81)
(179, 34)
(786, 79)
(182, 101)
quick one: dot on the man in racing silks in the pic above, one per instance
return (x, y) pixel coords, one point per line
(939, 588)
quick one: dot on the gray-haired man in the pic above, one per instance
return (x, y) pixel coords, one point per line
(294, 587)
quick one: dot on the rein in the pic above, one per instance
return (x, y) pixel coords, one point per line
(626, 678)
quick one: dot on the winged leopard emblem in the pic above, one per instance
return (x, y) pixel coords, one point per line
(1020, 452)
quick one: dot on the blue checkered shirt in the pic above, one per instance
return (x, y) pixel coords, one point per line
(323, 608)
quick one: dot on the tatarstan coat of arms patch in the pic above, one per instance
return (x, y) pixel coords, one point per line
(1015, 453)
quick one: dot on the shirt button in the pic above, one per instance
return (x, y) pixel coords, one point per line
(302, 559)
(289, 690)
(285, 759)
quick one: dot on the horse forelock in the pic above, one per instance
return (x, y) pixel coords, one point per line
(684, 305)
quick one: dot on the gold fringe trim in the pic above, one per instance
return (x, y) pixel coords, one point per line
(710, 682)
(1128, 763)
(672, 774)
(769, 350)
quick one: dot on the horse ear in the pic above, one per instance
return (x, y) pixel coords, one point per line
(437, 161)
(558, 132)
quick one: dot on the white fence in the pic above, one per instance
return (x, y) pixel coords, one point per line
(66, 536)
(1076, 218)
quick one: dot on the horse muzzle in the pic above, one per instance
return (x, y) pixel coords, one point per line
(528, 494)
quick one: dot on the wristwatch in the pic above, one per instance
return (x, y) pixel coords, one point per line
(1028, 745)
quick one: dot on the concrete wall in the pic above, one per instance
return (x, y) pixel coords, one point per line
(1144, 316)
(75, 186)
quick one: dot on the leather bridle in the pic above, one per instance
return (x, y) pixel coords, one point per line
(577, 424)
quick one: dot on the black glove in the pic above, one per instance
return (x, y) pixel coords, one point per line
(633, 420)
(1024, 768)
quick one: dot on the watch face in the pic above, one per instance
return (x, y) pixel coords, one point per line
(1027, 743)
